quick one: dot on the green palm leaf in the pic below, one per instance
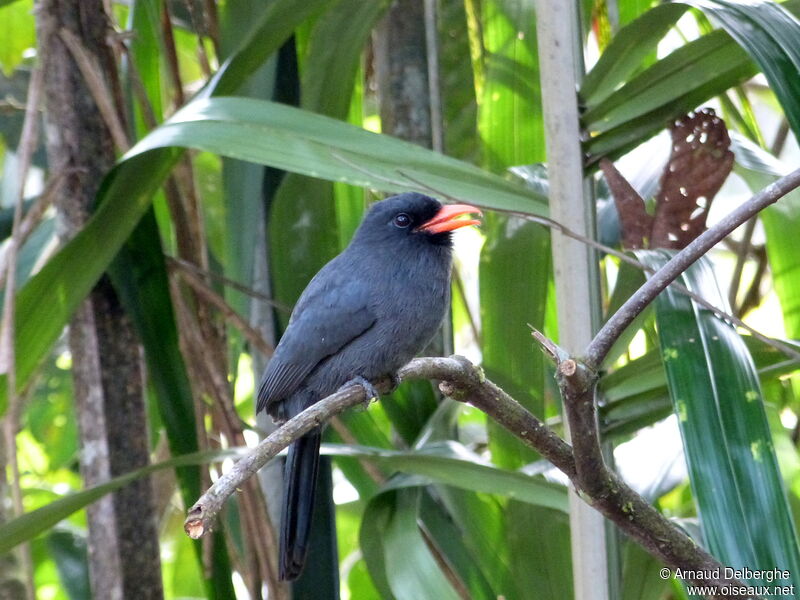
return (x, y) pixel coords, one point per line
(716, 395)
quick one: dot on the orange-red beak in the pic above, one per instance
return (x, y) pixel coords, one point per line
(446, 219)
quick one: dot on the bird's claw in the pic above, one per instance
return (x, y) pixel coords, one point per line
(394, 382)
(369, 389)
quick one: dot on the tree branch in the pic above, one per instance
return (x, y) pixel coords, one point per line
(465, 382)
(584, 465)
(613, 328)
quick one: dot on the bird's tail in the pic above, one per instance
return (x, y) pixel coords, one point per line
(300, 482)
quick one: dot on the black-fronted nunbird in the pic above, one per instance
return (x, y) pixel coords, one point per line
(363, 316)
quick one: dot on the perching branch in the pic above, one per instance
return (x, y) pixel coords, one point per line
(466, 383)
(202, 515)
(584, 465)
(463, 381)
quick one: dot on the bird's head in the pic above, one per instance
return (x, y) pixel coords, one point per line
(414, 218)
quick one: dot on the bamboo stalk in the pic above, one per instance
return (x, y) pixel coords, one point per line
(575, 266)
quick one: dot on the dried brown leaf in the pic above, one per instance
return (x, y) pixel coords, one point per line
(698, 166)
(634, 221)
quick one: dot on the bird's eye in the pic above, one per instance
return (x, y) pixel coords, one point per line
(402, 220)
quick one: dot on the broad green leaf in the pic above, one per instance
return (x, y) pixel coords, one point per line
(513, 293)
(47, 301)
(636, 395)
(669, 88)
(374, 523)
(676, 77)
(717, 397)
(243, 183)
(781, 221)
(481, 518)
(295, 140)
(274, 26)
(509, 111)
(543, 564)
(97, 244)
(253, 130)
(449, 541)
(514, 268)
(332, 59)
(759, 168)
(780, 224)
(700, 70)
(410, 569)
(69, 551)
(351, 201)
(457, 82)
(640, 575)
(630, 9)
(450, 463)
(145, 20)
(769, 33)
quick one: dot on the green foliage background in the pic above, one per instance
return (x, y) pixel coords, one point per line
(453, 489)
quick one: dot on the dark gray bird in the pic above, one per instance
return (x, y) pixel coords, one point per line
(363, 316)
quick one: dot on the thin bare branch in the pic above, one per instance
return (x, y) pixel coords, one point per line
(27, 146)
(179, 263)
(199, 26)
(202, 514)
(93, 76)
(171, 53)
(434, 85)
(201, 288)
(29, 222)
(742, 254)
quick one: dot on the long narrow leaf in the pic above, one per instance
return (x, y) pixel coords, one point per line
(716, 394)
(769, 33)
(253, 130)
(29, 525)
(627, 50)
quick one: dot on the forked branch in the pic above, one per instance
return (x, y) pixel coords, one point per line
(583, 464)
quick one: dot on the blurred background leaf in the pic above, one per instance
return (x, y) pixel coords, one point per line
(258, 146)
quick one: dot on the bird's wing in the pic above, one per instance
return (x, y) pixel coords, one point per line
(330, 313)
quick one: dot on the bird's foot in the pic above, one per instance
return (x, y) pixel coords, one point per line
(369, 389)
(394, 382)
